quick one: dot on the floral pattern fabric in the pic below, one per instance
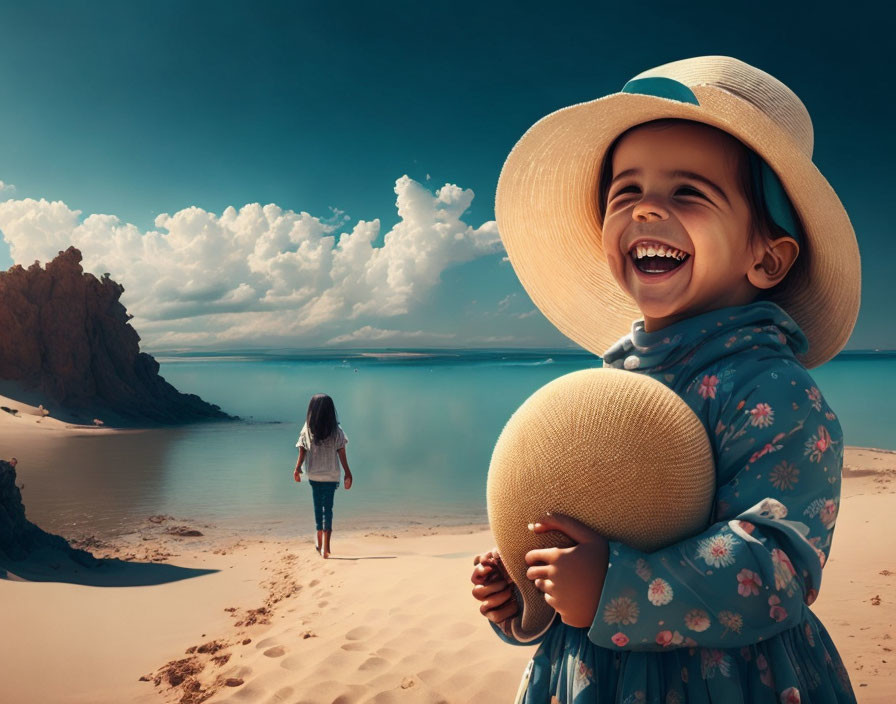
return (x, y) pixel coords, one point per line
(722, 616)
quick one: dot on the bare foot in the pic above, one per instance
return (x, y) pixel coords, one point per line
(325, 554)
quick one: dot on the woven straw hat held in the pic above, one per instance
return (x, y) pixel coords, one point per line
(616, 450)
(546, 201)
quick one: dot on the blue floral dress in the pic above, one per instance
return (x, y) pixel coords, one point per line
(722, 616)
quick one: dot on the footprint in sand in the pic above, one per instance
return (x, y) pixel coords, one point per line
(278, 651)
(313, 582)
(294, 663)
(431, 676)
(358, 633)
(353, 646)
(373, 663)
(242, 673)
(322, 604)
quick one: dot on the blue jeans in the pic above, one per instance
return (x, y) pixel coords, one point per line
(322, 492)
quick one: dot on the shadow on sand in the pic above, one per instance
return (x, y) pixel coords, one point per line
(45, 566)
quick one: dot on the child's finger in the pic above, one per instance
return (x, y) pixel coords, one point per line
(544, 555)
(503, 613)
(498, 600)
(484, 591)
(490, 556)
(482, 573)
(544, 585)
(541, 571)
(572, 528)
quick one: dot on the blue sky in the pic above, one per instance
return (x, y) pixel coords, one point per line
(136, 110)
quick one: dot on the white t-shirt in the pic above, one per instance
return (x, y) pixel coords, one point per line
(321, 461)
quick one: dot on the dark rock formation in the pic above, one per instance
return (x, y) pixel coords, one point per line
(18, 536)
(64, 334)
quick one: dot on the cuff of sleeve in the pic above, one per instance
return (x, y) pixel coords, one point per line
(610, 635)
(512, 641)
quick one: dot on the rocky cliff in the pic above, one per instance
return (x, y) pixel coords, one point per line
(65, 335)
(18, 536)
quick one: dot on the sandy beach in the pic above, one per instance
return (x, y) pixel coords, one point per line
(225, 617)
(19, 421)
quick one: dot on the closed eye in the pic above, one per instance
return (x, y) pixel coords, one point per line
(684, 190)
(694, 191)
(623, 190)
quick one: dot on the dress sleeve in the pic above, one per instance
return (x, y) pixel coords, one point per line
(341, 439)
(779, 456)
(508, 638)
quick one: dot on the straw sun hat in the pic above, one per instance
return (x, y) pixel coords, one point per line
(546, 201)
(616, 450)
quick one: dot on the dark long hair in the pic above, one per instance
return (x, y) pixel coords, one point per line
(321, 417)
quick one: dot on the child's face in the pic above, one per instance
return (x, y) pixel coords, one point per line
(648, 203)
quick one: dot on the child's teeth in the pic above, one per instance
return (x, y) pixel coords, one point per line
(642, 251)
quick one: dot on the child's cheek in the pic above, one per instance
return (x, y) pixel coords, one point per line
(612, 249)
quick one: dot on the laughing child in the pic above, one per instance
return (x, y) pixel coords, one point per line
(689, 201)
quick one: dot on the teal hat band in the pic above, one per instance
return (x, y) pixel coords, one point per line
(661, 88)
(765, 181)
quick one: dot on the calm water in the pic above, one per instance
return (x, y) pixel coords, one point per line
(421, 431)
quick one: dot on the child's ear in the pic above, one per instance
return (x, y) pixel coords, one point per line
(772, 260)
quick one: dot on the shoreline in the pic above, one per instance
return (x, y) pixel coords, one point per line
(362, 526)
(17, 417)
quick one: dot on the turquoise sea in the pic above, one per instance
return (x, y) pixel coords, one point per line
(421, 428)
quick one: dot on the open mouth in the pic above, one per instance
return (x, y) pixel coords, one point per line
(651, 258)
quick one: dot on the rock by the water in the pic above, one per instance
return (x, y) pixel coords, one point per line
(67, 337)
(18, 536)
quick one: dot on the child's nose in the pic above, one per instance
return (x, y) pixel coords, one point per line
(650, 208)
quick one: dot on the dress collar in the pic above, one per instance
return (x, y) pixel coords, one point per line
(706, 337)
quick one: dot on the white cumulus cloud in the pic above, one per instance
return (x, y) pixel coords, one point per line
(200, 278)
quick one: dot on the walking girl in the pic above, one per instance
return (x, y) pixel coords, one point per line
(321, 446)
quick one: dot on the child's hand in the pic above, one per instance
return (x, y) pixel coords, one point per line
(492, 588)
(571, 578)
(297, 474)
(348, 482)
